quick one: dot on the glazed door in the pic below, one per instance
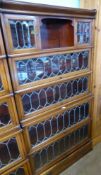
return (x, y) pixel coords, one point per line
(23, 34)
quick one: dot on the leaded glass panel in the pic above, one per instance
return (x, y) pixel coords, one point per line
(56, 149)
(30, 70)
(22, 32)
(5, 118)
(54, 125)
(9, 152)
(47, 96)
(83, 32)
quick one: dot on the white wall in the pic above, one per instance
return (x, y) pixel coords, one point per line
(65, 3)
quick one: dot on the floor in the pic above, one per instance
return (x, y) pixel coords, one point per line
(88, 165)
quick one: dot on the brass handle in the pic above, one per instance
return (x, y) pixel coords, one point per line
(63, 108)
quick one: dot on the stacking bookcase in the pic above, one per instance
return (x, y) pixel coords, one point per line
(46, 87)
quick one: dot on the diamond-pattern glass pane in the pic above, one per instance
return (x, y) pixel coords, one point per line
(19, 171)
(9, 152)
(83, 32)
(47, 96)
(54, 150)
(1, 85)
(54, 125)
(22, 33)
(5, 118)
(29, 70)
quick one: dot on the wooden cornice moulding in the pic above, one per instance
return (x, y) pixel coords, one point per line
(33, 8)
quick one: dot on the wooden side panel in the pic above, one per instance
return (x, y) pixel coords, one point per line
(96, 132)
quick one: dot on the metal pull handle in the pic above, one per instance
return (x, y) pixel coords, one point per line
(63, 108)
